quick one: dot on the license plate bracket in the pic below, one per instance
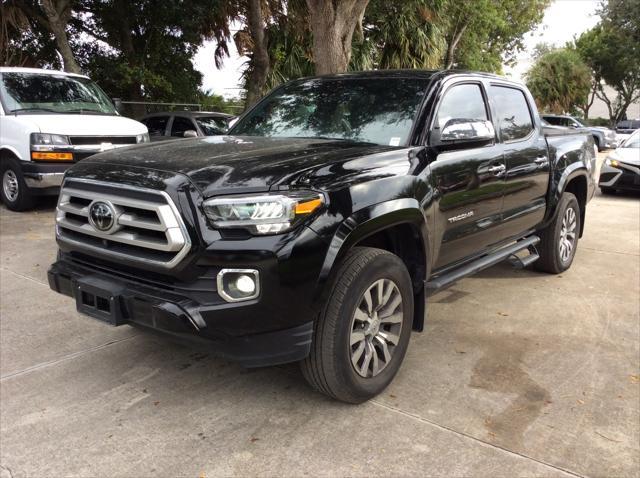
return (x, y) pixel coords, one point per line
(100, 299)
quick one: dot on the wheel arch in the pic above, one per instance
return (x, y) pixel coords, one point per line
(398, 226)
(575, 181)
(8, 152)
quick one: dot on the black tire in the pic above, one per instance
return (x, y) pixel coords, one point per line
(21, 199)
(597, 141)
(607, 191)
(329, 368)
(549, 248)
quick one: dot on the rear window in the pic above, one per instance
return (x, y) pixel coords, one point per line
(513, 112)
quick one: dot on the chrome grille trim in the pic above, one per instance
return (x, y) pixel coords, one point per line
(149, 226)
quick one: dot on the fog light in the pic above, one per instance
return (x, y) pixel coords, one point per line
(245, 284)
(235, 285)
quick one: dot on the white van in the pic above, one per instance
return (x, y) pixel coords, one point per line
(48, 121)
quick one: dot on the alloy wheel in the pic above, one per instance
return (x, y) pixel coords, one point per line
(567, 235)
(375, 328)
(10, 185)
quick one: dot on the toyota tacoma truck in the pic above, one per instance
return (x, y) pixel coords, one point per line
(316, 230)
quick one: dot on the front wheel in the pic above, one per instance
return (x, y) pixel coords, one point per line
(15, 193)
(362, 335)
(607, 191)
(559, 240)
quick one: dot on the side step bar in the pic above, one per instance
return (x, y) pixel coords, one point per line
(508, 252)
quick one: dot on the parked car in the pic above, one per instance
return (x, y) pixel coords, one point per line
(185, 124)
(50, 120)
(627, 126)
(316, 228)
(621, 168)
(605, 138)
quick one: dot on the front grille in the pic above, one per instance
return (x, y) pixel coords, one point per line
(147, 226)
(98, 140)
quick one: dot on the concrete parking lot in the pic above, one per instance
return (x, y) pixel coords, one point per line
(517, 374)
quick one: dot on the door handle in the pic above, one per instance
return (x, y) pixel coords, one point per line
(541, 160)
(497, 170)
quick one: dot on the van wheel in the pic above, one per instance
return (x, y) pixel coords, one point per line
(559, 240)
(15, 194)
(362, 335)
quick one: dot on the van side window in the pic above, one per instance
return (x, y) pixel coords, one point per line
(514, 116)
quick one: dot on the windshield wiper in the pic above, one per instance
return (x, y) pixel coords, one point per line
(48, 110)
(86, 111)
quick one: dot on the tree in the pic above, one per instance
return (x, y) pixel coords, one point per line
(147, 52)
(30, 16)
(333, 23)
(257, 78)
(484, 34)
(403, 34)
(559, 81)
(612, 51)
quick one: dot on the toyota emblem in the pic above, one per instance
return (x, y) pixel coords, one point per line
(102, 216)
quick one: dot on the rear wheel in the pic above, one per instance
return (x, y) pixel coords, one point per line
(559, 240)
(15, 193)
(362, 335)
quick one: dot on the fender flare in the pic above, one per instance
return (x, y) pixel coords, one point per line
(572, 171)
(370, 220)
(366, 222)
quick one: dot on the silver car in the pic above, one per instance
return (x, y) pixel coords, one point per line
(621, 168)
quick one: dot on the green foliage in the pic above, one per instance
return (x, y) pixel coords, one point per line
(559, 81)
(212, 102)
(400, 35)
(490, 32)
(612, 51)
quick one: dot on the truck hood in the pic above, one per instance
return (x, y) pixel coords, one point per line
(222, 164)
(84, 125)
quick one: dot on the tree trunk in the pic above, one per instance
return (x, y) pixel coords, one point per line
(58, 16)
(333, 23)
(257, 78)
(452, 45)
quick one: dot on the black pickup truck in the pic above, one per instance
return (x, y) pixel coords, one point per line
(316, 230)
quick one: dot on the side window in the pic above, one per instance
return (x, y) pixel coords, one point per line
(156, 125)
(462, 102)
(513, 112)
(180, 125)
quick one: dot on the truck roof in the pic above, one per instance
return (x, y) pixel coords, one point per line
(410, 73)
(13, 69)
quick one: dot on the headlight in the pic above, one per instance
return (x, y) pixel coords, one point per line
(143, 138)
(611, 162)
(46, 141)
(266, 214)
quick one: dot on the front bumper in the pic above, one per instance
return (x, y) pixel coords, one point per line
(119, 300)
(43, 176)
(624, 177)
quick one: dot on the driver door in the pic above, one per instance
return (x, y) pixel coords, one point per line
(469, 179)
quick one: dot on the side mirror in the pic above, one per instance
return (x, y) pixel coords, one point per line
(457, 131)
(190, 134)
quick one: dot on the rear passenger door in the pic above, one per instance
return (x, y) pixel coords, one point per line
(526, 158)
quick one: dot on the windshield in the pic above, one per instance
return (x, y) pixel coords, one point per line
(211, 126)
(632, 142)
(373, 110)
(42, 93)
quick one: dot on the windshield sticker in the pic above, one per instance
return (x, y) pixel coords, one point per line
(395, 141)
